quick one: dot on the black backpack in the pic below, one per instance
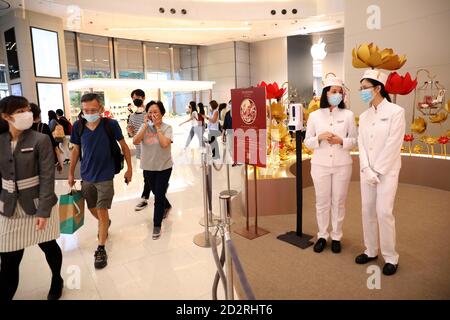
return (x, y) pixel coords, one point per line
(116, 152)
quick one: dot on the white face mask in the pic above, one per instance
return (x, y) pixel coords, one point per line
(22, 121)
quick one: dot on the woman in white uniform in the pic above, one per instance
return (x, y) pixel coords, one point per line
(332, 133)
(381, 132)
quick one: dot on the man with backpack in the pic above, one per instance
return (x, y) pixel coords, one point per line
(67, 126)
(95, 144)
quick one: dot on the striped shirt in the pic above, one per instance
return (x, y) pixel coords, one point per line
(136, 121)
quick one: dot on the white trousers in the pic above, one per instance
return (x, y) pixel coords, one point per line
(331, 186)
(377, 205)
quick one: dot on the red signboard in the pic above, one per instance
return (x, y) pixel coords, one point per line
(249, 125)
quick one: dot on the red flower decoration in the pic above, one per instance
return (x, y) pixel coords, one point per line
(408, 138)
(396, 84)
(443, 140)
(272, 90)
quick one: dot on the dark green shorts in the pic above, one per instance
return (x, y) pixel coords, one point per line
(98, 194)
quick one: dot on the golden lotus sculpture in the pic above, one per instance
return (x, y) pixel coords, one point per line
(370, 56)
(419, 125)
(313, 105)
(440, 117)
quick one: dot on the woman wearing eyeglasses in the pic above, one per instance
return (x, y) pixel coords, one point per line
(331, 132)
(381, 132)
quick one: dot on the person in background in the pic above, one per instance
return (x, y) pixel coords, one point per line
(381, 132)
(136, 120)
(213, 129)
(331, 132)
(201, 116)
(156, 137)
(52, 120)
(92, 137)
(222, 111)
(195, 125)
(27, 198)
(130, 112)
(227, 133)
(64, 145)
(43, 128)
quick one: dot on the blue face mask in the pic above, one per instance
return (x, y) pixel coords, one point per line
(366, 95)
(91, 117)
(150, 125)
(335, 99)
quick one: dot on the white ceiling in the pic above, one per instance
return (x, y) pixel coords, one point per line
(206, 22)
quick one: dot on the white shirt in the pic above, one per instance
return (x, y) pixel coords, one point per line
(381, 132)
(213, 125)
(194, 120)
(340, 122)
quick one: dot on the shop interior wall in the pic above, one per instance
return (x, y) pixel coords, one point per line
(22, 20)
(419, 29)
(268, 61)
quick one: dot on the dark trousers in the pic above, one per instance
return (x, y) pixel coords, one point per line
(159, 181)
(147, 188)
(10, 263)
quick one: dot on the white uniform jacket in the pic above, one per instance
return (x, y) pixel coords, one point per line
(380, 138)
(340, 122)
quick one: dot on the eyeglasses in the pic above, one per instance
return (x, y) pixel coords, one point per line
(362, 88)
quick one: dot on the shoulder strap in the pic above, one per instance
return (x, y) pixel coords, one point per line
(108, 129)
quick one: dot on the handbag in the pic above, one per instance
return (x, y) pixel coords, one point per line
(71, 211)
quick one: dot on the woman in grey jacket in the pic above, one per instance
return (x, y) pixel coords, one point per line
(27, 197)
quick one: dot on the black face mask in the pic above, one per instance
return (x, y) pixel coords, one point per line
(138, 102)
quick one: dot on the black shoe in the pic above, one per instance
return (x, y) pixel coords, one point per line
(364, 258)
(335, 246)
(156, 233)
(166, 212)
(56, 289)
(101, 258)
(389, 269)
(320, 245)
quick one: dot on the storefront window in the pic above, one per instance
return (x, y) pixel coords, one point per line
(185, 62)
(158, 58)
(94, 56)
(73, 71)
(130, 59)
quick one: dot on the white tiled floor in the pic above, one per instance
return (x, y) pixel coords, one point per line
(172, 267)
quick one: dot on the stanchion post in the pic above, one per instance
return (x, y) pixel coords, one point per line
(225, 216)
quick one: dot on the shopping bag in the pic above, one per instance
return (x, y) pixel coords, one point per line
(71, 212)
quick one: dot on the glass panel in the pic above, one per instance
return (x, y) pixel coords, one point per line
(73, 71)
(182, 100)
(11, 54)
(130, 59)
(185, 62)
(158, 61)
(167, 99)
(94, 56)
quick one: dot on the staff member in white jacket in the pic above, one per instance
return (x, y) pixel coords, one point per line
(381, 132)
(331, 132)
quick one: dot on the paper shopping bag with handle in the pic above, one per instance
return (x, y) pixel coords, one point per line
(71, 212)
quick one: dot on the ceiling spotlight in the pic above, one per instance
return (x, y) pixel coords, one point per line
(161, 10)
(173, 11)
(294, 11)
(273, 12)
(183, 11)
(283, 11)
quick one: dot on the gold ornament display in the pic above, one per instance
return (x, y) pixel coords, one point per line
(419, 125)
(370, 56)
(278, 137)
